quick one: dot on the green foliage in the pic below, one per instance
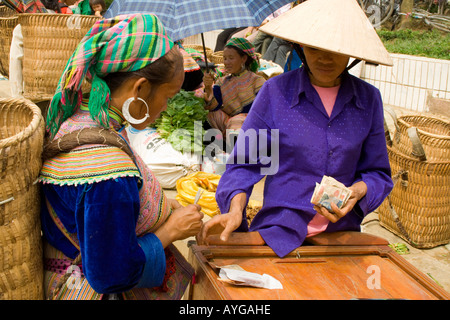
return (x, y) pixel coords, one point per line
(177, 124)
(108, 3)
(432, 44)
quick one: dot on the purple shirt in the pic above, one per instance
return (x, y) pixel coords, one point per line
(349, 145)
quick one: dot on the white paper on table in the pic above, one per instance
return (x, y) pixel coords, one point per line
(245, 278)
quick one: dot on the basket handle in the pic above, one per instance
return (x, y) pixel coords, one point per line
(392, 113)
(387, 134)
(6, 200)
(417, 148)
(397, 220)
(89, 135)
(403, 176)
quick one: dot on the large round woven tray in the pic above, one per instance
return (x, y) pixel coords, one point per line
(21, 141)
(49, 41)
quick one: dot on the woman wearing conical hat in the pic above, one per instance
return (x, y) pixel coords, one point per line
(318, 121)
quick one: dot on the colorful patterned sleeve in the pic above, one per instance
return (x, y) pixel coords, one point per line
(259, 83)
(103, 216)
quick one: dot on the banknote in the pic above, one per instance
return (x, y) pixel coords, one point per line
(330, 190)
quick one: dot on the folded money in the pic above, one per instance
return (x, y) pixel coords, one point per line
(330, 190)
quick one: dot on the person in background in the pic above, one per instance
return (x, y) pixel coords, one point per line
(16, 50)
(81, 7)
(278, 51)
(311, 122)
(98, 7)
(193, 75)
(225, 36)
(263, 40)
(293, 61)
(64, 8)
(230, 98)
(103, 212)
(75, 7)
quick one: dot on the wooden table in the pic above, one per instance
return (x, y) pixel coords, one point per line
(338, 266)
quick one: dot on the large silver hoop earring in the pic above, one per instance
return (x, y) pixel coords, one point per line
(126, 111)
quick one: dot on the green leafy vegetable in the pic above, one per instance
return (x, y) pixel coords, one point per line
(182, 122)
(400, 248)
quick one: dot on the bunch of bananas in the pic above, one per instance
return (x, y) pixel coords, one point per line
(188, 186)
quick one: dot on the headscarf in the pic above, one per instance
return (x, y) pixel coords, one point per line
(188, 61)
(248, 48)
(121, 44)
(26, 6)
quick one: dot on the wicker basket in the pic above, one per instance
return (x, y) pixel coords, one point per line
(7, 25)
(217, 57)
(199, 48)
(49, 41)
(21, 141)
(418, 208)
(7, 12)
(432, 131)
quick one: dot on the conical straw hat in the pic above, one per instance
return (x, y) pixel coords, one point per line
(339, 26)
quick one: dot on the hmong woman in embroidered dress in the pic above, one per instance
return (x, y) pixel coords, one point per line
(104, 214)
(231, 97)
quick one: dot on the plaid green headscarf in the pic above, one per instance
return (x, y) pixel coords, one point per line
(124, 43)
(248, 48)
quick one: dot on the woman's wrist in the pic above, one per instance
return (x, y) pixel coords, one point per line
(207, 96)
(165, 234)
(238, 203)
(209, 101)
(359, 189)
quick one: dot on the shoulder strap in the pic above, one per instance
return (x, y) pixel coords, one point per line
(90, 135)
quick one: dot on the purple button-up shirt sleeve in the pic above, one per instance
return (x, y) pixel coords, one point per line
(289, 138)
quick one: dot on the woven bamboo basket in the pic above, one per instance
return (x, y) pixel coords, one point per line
(7, 12)
(432, 131)
(7, 25)
(418, 208)
(217, 57)
(49, 41)
(199, 48)
(21, 141)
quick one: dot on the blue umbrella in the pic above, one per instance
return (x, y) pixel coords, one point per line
(185, 18)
